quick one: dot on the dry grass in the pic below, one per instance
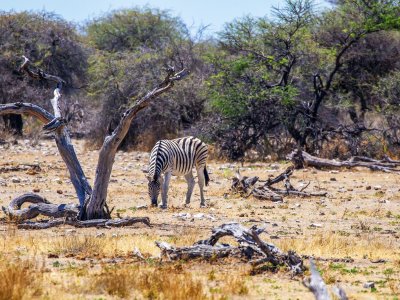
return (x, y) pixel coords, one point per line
(229, 284)
(86, 246)
(21, 279)
(165, 282)
(96, 263)
(330, 244)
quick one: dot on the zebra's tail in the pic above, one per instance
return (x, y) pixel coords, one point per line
(206, 177)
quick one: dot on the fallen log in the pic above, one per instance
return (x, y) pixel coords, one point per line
(21, 167)
(98, 223)
(251, 248)
(246, 186)
(40, 206)
(302, 159)
(65, 214)
(196, 251)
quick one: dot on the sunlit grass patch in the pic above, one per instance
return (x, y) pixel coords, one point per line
(73, 245)
(20, 279)
(329, 244)
(165, 282)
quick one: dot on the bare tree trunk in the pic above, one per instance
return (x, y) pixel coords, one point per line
(92, 202)
(96, 204)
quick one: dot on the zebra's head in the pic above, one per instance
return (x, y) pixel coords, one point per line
(154, 189)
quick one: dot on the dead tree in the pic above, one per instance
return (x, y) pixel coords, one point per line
(92, 201)
(251, 248)
(247, 186)
(301, 159)
(318, 287)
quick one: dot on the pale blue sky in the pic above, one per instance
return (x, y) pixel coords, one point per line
(193, 12)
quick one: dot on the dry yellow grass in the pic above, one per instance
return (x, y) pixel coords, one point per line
(330, 244)
(20, 279)
(164, 282)
(355, 222)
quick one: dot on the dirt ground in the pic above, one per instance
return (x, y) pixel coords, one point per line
(359, 221)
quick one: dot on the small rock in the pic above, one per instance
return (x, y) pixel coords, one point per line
(141, 206)
(70, 231)
(100, 234)
(274, 166)
(378, 261)
(36, 190)
(377, 187)
(21, 248)
(369, 285)
(52, 255)
(183, 216)
(15, 180)
(368, 187)
(198, 216)
(332, 179)
(384, 201)
(315, 225)
(334, 172)
(59, 192)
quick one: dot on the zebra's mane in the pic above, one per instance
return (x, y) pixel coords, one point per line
(155, 176)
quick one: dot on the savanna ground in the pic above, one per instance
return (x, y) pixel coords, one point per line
(359, 219)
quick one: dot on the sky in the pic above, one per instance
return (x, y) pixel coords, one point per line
(194, 13)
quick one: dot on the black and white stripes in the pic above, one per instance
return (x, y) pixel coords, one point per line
(177, 157)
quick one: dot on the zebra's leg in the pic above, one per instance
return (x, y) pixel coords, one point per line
(200, 176)
(164, 192)
(190, 182)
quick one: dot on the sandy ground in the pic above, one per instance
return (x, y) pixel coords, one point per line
(358, 220)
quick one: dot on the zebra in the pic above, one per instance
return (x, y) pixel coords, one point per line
(177, 157)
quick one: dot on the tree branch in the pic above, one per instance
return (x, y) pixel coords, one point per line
(94, 206)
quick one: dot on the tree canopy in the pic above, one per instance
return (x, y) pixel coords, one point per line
(320, 80)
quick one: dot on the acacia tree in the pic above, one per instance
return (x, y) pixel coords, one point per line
(253, 87)
(53, 44)
(141, 40)
(275, 76)
(92, 201)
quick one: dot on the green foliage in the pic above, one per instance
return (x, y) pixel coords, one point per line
(131, 29)
(301, 77)
(265, 67)
(132, 49)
